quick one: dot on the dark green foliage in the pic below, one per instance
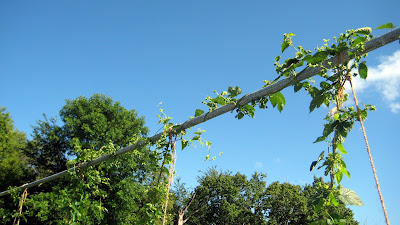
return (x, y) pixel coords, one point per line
(14, 166)
(224, 198)
(318, 191)
(92, 127)
(285, 204)
(47, 149)
(14, 170)
(98, 120)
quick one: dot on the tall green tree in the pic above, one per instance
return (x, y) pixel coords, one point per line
(223, 198)
(14, 168)
(103, 194)
(285, 203)
(48, 148)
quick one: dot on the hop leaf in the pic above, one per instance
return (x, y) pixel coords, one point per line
(386, 26)
(349, 197)
(364, 30)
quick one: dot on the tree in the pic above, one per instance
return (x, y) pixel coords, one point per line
(223, 198)
(285, 204)
(291, 204)
(14, 168)
(91, 127)
(95, 122)
(48, 147)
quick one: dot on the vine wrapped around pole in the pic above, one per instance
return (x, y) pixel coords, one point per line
(266, 91)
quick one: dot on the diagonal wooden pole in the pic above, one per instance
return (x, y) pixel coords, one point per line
(304, 74)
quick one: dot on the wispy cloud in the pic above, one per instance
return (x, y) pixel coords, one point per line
(258, 165)
(385, 79)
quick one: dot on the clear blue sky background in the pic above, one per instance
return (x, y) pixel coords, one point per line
(178, 52)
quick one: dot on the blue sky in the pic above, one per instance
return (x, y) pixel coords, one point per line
(143, 52)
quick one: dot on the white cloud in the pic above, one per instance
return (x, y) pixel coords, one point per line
(384, 78)
(258, 165)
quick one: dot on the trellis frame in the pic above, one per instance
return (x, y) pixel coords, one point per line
(308, 72)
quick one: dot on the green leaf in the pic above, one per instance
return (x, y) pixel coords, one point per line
(318, 207)
(208, 143)
(198, 112)
(363, 70)
(333, 199)
(339, 176)
(285, 45)
(325, 85)
(320, 157)
(336, 116)
(313, 164)
(317, 102)
(345, 171)
(386, 26)
(341, 148)
(320, 139)
(234, 91)
(317, 57)
(298, 86)
(220, 100)
(364, 30)
(357, 41)
(184, 143)
(277, 58)
(240, 115)
(277, 99)
(349, 197)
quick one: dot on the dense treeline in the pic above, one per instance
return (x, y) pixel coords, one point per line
(224, 198)
(130, 189)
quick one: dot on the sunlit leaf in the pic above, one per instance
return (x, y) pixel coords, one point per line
(357, 41)
(364, 30)
(336, 116)
(349, 197)
(333, 199)
(198, 112)
(339, 176)
(277, 99)
(345, 171)
(386, 26)
(341, 148)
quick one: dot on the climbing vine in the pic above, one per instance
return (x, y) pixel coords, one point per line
(85, 191)
(329, 91)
